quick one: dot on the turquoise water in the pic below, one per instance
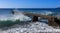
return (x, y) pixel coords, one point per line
(8, 23)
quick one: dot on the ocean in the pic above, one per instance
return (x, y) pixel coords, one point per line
(22, 23)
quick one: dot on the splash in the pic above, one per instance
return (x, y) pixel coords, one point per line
(14, 17)
(10, 19)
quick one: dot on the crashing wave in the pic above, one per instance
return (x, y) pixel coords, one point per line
(17, 17)
(10, 19)
(20, 17)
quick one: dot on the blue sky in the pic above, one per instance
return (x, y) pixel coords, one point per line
(29, 3)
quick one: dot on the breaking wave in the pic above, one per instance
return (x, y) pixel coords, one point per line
(10, 19)
(7, 20)
(20, 16)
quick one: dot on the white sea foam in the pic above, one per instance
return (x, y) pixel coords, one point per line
(35, 27)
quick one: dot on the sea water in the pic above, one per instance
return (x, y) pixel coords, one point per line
(20, 23)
